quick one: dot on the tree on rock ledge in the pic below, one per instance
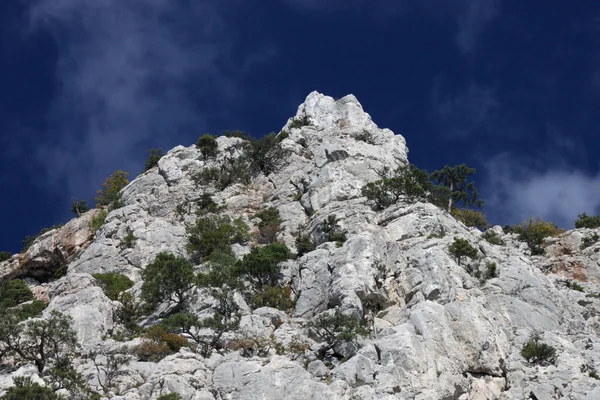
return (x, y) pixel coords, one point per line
(454, 185)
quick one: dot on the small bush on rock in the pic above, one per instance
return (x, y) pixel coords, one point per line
(30, 310)
(274, 296)
(232, 170)
(266, 155)
(158, 343)
(269, 225)
(167, 278)
(128, 241)
(471, 218)
(533, 232)
(335, 328)
(128, 314)
(208, 146)
(299, 122)
(170, 396)
(408, 182)
(460, 249)
(110, 194)
(537, 352)
(305, 244)
(585, 221)
(78, 207)
(113, 284)
(261, 265)
(5, 255)
(14, 292)
(587, 241)
(154, 156)
(97, 221)
(26, 389)
(207, 205)
(492, 237)
(332, 232)
(215, 233)
(575, 286)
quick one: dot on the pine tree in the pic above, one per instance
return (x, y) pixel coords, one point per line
(456, 188)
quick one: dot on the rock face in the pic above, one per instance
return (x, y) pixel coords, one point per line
(437, 332)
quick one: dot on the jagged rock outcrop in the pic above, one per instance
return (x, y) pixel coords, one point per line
(438, 332)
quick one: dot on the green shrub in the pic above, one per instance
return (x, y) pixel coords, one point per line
(266, 155)
(534, 232)
(158, 343)
(25, 389)
(408, 182)
(208, 146)
(128, 241)
(299, 122)
(113, 284)
(491, 271)
(129, 313)
(332, 232)
(471, 218)
(168, 277)
(5, 255)
(170, 396)
(274, 296)
(283, 135)
(154, 155)
(79, 207)
(575, 286)
(97, 221)
(537, 352)
(587, 241)
(305, 244)
(269, 225)
(261, 265)
(593, 374)
(335, 328)
(14, 292)
(30, 310)
(28, 241)
(232, 170)
(492, 237)
(60, 272)
(238, 134)
(110, 194)
(206, 204)
(585, 221)
(460, 249)
(215, 232)
(182, 208)
(365, 137)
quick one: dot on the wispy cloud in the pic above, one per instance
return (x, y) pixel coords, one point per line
(516, 189)
(470, 16)
(127, 72)
(474, 109)
(473, 18)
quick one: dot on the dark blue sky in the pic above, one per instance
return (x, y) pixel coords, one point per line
(510, 88)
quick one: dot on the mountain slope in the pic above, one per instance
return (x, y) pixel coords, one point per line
(437, 331)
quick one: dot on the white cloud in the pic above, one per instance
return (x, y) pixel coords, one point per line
(515, 191)
(473, 110)
(126, 72)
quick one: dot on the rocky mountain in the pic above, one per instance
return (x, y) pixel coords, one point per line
(437, 328)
